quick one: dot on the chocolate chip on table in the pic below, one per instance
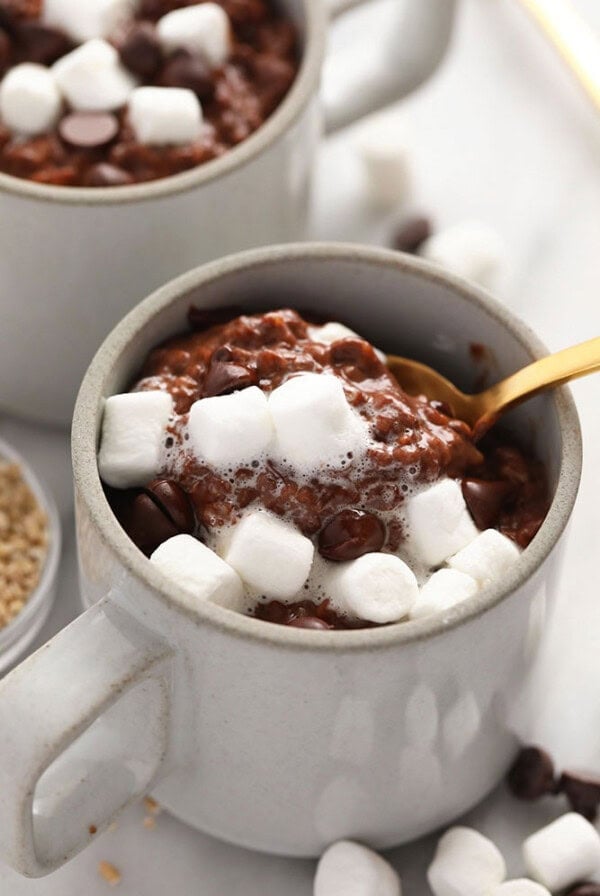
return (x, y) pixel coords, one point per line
(88, 130)
(39, 43)
(310, 622)
(350, 534)
(587, 889)
(532, 774)
(174, 503)
(485, 500)
(106, 175)
(224, 377)
(582, 792)
(188, 72)
(412, 233)
(141, 51)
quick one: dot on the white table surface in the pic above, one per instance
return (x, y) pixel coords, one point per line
(502, 135)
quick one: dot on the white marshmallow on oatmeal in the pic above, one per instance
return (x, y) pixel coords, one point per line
(193, 566)
(385, 147)
(30, 101)
(228, 430)
(520, 886)
(487, 557)
(165, 115)
(350, 869)
(443, 590)
(472, 250)
(439, 523)
(203, 29)
(92, 78)
(270, 555)
(333, 331)
(133, 436)
(85, 19)
(377, 587)
(314, 424)
(563, 853)
(465, 864)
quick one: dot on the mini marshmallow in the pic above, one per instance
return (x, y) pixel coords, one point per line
(563, 853)
(439, 523)
(271, 556)
(350, 869)
(133, 435)
(385, 148)
(165, 115)
(30, 101)
(85, 19)
(314, 424)
(333, 331)
(521, 886)
(487, 557)
(193, 566)
(377, 587)
(93, 79)
(228, 430)
(472, 250)
(465, 864)
(443, 590)
(203, 29)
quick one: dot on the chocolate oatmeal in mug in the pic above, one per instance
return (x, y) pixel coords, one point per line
(100, 93)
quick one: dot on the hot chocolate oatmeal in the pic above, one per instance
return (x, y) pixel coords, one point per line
(276, 467)
(111, 92)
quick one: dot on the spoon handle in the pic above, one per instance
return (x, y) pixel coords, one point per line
(553, 370)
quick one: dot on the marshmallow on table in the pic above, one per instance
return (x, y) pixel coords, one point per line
(92, 78)
(203, 29)
(465, 864)
(228, 430)
(563, 853)
(270, 555)
(439, 523)
(314, 424)
(334, 331)
(85, 19)
(30, 101)
(193, 566)
(443, 590)
(472, 250)
(377, 587)
(521, 886)
(385, 148)
(165, 115)
(349, 869)
(133, 435)
(487, 557)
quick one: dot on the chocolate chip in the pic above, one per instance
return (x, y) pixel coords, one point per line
(412, 233)
(224, 377)
(39, 43)
(311, 622)
(105, 175)
(5, 51)
(585, 890)
(174, 502)
(147, 525)
(582, 792)
(485, 500)
(188, 72)
(350, 534)
(88, 130)
(141, 51)
(532, 774)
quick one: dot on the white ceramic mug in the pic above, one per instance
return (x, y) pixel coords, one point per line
(73, 261)
(276, 738)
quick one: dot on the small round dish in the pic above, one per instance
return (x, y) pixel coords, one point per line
(16, 637)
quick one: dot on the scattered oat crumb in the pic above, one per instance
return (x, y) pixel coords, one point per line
(23, 541)
(151, 806)
(111, 875)
(150, 822)
(92, 829)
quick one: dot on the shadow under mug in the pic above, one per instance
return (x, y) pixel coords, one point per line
(280, 739)
(73, 261)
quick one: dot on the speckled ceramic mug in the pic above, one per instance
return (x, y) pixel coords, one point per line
(276, 738)
(74, 260)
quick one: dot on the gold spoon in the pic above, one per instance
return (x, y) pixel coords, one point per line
(482, 410)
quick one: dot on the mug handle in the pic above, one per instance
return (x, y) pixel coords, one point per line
(355, 85)
(83, 733)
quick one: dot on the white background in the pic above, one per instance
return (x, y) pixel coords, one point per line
(503, 135)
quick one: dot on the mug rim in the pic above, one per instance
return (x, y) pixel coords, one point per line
(280, 121)
(90, 492)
